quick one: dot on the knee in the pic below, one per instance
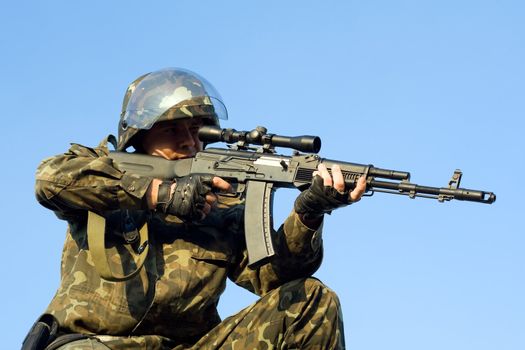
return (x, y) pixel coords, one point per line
(315, 319)
(313, 285)
(310, 293)
(323, 297)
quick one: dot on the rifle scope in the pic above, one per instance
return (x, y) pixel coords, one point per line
(259, 136)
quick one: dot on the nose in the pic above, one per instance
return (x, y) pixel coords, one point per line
(186, 137)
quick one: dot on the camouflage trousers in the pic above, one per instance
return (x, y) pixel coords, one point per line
(302, 314)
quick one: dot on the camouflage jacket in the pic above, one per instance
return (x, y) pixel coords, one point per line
(173, 299)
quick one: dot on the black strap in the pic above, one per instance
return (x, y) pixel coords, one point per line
(164, 195)
(43, 331)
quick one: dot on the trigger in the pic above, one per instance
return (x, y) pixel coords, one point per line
(236, 191)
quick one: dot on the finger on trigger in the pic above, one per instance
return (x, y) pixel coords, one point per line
(221, 184)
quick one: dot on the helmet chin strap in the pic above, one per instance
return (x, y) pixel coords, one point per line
(113, 140)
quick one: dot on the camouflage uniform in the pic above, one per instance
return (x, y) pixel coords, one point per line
(172, 302)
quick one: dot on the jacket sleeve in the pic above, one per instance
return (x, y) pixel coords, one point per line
(86, 179)
(298, 251)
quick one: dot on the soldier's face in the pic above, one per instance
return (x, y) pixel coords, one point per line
(173, 139)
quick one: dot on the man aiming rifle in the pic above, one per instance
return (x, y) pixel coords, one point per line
(146, 258)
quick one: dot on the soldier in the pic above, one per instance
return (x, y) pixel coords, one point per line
(162, 293)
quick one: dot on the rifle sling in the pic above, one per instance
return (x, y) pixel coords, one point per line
(96, 229)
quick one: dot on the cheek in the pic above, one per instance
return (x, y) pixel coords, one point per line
(157, 141)
(163, 140)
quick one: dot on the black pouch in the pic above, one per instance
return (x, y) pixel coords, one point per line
(43, 332)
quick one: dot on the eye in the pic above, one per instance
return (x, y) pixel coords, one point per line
(171, 130)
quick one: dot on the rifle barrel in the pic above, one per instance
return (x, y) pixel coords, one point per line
(440, 193)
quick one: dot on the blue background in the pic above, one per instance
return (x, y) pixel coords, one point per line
(420, 86)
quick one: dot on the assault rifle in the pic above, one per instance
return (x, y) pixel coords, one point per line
(256, 172)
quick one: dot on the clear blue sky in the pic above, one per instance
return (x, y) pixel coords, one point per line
(420, 86)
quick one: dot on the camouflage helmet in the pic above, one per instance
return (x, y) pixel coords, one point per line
(167, 94)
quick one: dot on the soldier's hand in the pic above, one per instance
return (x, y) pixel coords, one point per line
(338, 182)
(190, 198)
(326, 193)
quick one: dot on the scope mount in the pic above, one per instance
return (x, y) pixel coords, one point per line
(259, 136)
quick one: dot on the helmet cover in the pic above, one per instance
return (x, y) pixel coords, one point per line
(167, 94)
